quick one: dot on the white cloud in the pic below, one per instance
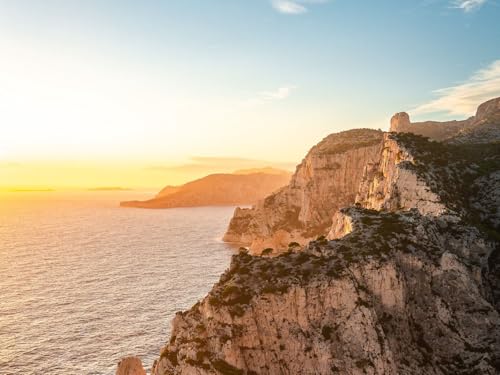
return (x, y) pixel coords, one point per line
(280, 93)
(464, 98)
(294, 6)
(468, 5)
(289, 7)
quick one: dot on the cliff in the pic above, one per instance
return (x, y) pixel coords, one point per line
(358, 166)
(407, 281)
(326, 180)
(377, 301)
(216, 190)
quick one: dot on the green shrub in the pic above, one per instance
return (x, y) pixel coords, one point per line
(214, 301)
(362, 363)
(170, 356)
(267, 251)
(326, 331)
(225, 368)
(230, 289)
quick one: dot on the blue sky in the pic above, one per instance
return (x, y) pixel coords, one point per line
(257, 79)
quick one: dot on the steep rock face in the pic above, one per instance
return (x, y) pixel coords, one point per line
(486, 200)
(326, 180)
(377, 301)
(392, 184)
(408, 281)
(477, 128)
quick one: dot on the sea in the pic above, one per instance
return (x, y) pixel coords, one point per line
(84, 282)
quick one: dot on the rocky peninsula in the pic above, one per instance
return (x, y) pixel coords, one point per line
(222, 189)
(380, 257)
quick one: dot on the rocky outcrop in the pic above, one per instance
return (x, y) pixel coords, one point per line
(359, 166)
(217, 190)
(392, 184)
(377, 301)
(326, 180)
(406, 282)
(130, 366)
(400, 123)
(481, 126)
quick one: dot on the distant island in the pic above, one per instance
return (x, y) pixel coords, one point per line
(239, 188)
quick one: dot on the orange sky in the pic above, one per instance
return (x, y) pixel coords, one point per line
(135, 175)
(97, 93)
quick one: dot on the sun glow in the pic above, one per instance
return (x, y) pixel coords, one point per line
(71, 119)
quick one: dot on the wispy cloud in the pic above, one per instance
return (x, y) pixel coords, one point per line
(467, 5)
(288, 7)
(294, 6)
(464, 98)
(280, 93)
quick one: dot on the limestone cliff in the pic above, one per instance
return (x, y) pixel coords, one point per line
(326, 180)
(358, 166)
(392, 184)
(407, 281)
(377, 301)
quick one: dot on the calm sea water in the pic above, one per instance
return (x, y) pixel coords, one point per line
(84, 282)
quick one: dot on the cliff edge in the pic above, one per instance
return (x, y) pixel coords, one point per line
(357, 166)
(404, 277)
(325, 181)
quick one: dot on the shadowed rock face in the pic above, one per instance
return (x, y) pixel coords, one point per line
(407, 281)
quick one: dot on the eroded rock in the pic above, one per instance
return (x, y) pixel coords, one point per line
(130, 366)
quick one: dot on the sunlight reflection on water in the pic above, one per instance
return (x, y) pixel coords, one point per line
(84, 283)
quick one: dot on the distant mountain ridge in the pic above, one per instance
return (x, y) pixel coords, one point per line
(217, 190)
(266, 170)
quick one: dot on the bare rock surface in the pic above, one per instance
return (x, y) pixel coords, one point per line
(130, 366)
(402, 275)
(401, 294)
(326, 180)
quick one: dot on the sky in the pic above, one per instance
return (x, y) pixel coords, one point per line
(143, 94)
